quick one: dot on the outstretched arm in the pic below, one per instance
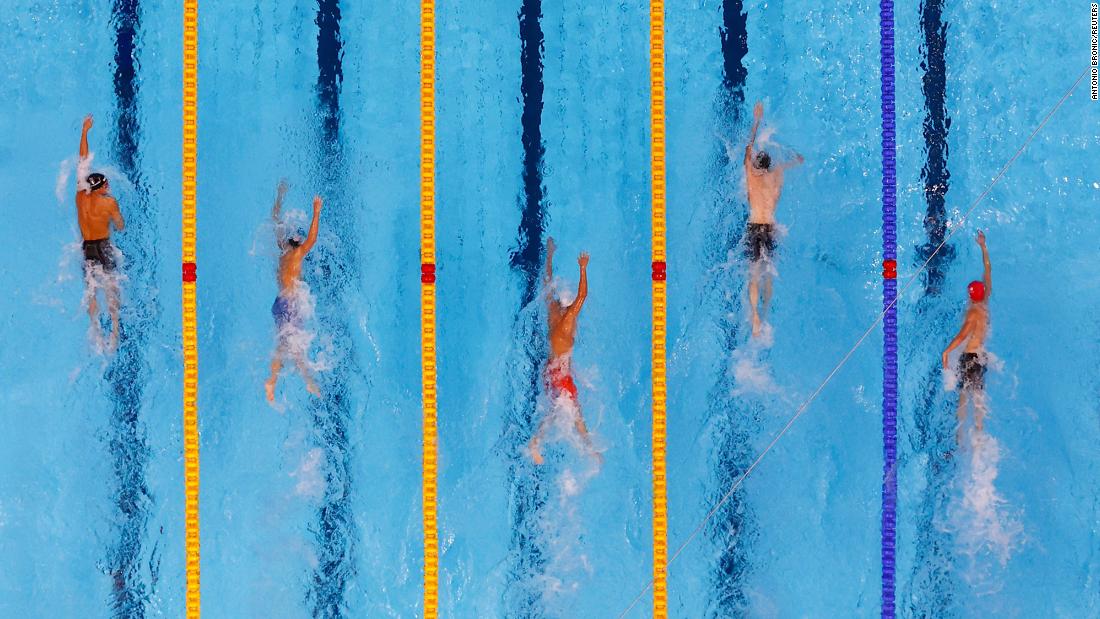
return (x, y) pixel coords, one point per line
(797, 161)
(84, 136)
(312, 237)
(280, 193)
(757, 116)
(964, 332)
(987, 277)
(549, 277)
(582, 287)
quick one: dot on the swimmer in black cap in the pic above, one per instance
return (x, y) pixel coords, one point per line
(289, 322)
(765, 182)
(96, 210)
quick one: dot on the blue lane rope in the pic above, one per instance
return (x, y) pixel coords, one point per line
(890, 314)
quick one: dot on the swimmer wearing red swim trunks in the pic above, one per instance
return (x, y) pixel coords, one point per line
(562, 331)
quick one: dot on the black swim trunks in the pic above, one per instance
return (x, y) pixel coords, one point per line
(971, 371)
(759, 241)
(100, 252)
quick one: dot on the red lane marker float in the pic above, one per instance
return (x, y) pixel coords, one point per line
(890, 269)
(659, 271)
(427, 273)
(189, 274)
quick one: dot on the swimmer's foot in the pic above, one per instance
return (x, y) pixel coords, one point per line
(597, 456)
(757, 326)
(536, 455)
(112, 342)
(312, 388)
(269, 389)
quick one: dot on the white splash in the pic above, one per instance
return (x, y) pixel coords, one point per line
(310, 476)
(750, 374)
(986, 528)
(97, 279)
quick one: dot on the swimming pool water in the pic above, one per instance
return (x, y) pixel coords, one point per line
(312, 507)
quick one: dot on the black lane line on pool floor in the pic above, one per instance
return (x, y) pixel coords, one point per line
(527, 486)
(733, 528)
(931, 582)
(128, 373)
(335, 268)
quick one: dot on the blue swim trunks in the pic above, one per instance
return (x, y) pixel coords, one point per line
(283, 312)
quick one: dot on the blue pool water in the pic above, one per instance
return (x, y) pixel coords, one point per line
(311, 507)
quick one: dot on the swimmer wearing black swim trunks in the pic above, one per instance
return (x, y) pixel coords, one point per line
(97, 211)
(764, 181)
(759, 242)
(99, 253)
(972, 362)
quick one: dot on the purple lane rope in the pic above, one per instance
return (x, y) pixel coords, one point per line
(890, 318)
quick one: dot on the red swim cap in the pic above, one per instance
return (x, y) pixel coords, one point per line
(977, 291)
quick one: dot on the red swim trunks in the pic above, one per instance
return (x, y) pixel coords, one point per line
(559, 381)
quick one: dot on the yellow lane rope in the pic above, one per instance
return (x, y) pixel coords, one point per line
(190, 344)
(657, 153)
(427, 304)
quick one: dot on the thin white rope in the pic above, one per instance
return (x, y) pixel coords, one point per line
(859, 342)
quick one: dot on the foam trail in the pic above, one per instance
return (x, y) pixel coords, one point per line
(568, 565)
(751, 375)
(987, 529)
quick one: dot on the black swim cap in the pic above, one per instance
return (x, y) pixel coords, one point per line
(763, 160)
(294, 241)
(95, 181)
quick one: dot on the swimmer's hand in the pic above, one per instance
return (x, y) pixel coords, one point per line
(799, 159)
(583, 259)
(981, 239)
(88, 122)
(945, 364)
(758, 110)
(550, 246)
(282, 188)
(316, 204)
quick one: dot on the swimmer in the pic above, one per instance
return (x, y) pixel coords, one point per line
(562, 333)
(972, 363)
(96, 211)
(288, 321)
(764, 179)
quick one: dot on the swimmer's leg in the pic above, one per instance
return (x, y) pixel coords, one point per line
(533, 445)
(111, 292)
(960, 415)
(979, 411)
(276, 366)
(90, 293)
(767, 295)
(578, 423)
(754, 296)
(311, 386)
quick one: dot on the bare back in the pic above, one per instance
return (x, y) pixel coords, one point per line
(976, 324)
(563, 329)
(764, 189)
(290, 269)
(95, 212)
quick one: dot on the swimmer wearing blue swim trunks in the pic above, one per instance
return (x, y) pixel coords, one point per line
(294, 249)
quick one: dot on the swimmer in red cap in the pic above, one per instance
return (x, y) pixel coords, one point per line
(96, 211)
(972, 362)
(562, 333)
